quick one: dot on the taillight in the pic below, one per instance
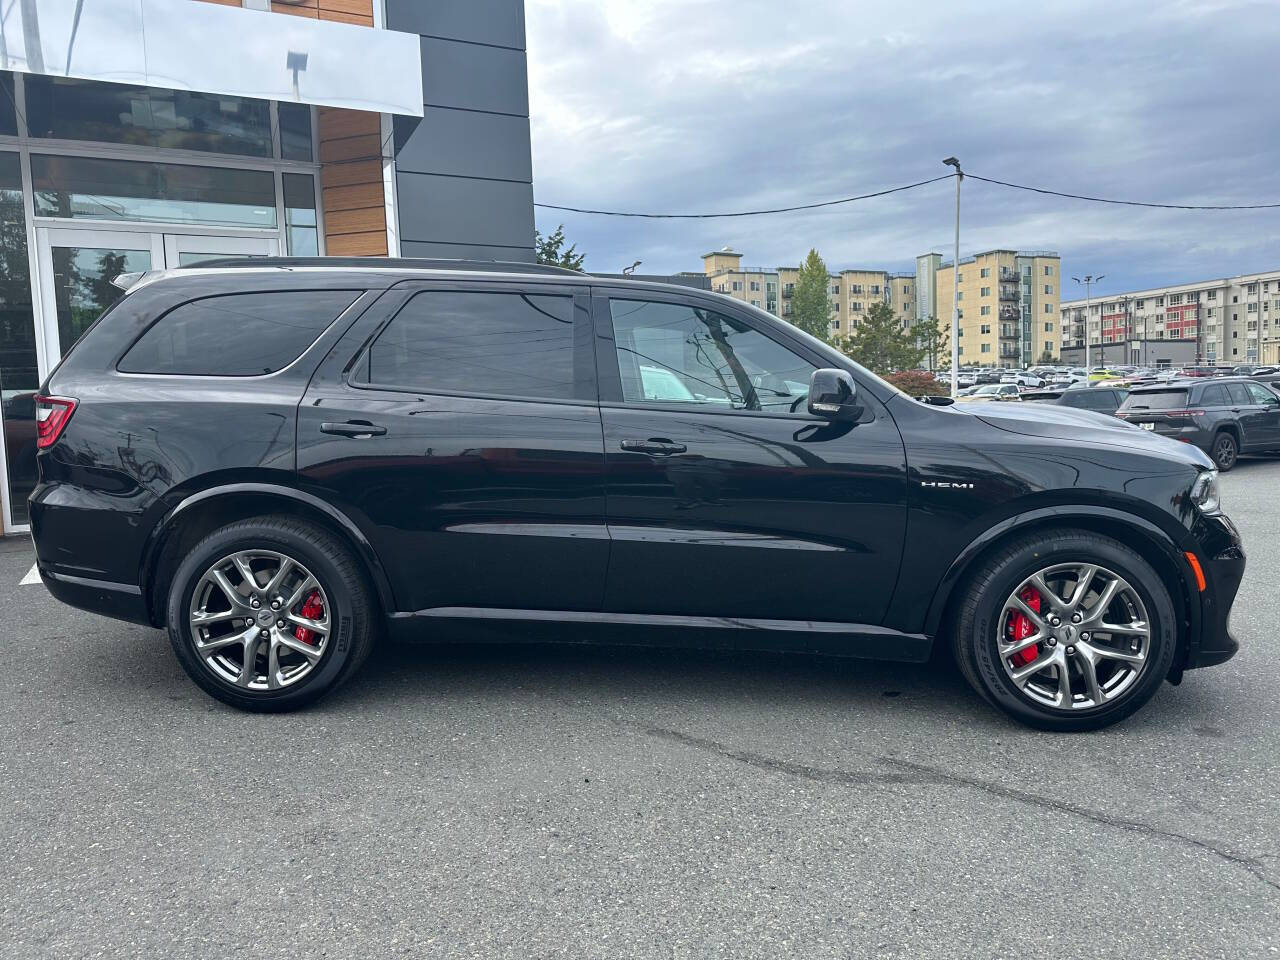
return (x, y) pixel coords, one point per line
(1183, 413)
(52, 414)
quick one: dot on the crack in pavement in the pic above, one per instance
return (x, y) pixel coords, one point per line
(910, 772)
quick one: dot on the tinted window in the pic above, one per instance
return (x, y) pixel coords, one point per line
(1239, 395)
(1090, 399)
(1214, 395)
(65, 108)
(502, 344)
(295, 131)
(1155, 400)
(674, 353)
(240, 335)
(164, 192)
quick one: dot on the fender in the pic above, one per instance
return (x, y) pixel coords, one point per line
(161, 530)
(1129, 522)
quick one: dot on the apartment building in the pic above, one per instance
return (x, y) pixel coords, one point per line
(927, 265)
(852, 292)
(1232, 320)
(1008, 306)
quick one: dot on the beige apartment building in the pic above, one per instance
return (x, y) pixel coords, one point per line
(1233, 320)
(852, 292)
(1008, 307)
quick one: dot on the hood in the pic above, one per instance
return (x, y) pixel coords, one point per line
(1054, 422)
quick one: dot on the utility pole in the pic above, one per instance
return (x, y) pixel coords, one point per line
(1088, 282)
(955, 286)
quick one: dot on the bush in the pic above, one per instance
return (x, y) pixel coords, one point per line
(917, 383)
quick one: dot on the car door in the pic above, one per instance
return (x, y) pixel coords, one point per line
(457, 424)
(1268, 417)
(725, 497)
(1254, 423)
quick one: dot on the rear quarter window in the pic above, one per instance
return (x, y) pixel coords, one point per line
(236, 335)
(1155, 400)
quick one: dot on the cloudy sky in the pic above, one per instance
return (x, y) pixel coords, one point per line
(714, 105)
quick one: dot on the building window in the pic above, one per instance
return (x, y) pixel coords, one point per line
(835, 288)
(101, 189)
(984, 329)
(302, 233)
(1048, 271)
(755, 285)
(986, 348)
(1142, 304)
(985, 311)
(984, 292)
(737, 285)
(1212, 295)
(755, 303)
(1048, 308)
(984, 272)
(1048, 328)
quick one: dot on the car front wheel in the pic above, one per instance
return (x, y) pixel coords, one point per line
(269, 614)
(1066, 630)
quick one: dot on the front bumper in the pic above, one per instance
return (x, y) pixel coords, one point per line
(1223, 563)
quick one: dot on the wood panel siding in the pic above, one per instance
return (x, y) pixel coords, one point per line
(351, 187)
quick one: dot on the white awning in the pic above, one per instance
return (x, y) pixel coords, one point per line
(184, 45)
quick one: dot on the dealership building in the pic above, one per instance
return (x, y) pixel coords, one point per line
(148, 134)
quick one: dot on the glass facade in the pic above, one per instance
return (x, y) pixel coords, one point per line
(152, 192)
(19, 369)
(180, 177)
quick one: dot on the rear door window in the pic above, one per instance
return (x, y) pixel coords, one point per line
(483, 343)
(1214, 395)
(238, 335)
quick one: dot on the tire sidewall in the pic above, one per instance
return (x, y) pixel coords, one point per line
(1235, 451)
(1033, 557)
(310, 555)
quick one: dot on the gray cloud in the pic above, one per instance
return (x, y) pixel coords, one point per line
(699, 105)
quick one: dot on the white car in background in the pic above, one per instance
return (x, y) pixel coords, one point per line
(1023, 378)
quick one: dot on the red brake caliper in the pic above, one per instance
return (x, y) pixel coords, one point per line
(312, 609)
(1020, 627)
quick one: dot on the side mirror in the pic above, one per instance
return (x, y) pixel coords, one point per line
(833, 395)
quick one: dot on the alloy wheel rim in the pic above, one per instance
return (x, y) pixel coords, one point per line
(1074, 636)
(1224, 452)
(260, 620)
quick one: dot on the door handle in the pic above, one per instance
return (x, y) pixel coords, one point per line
(359, 429)
(656, 445)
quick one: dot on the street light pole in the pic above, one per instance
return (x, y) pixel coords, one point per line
(955, 287)
(1088, 281)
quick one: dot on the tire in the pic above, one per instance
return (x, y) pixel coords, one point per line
(983, 621)
(1225, 451)
(341, 596)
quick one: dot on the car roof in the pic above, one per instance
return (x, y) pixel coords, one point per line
(410, 267)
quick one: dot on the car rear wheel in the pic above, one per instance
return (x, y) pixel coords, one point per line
(1225, 451)
(1066, 630)
(269, 614)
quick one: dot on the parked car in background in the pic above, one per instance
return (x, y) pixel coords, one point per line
(1023, 378)
(988, 392)
(1264, 371)
(1224, 417)
(1099, 399)
(988, 375)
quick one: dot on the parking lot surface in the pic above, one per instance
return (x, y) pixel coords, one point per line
(546, 801)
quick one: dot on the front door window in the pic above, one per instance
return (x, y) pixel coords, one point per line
(680, 354)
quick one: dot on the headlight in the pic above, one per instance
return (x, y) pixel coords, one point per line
(1204, 492)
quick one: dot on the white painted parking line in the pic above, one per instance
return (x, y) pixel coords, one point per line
(33, 576)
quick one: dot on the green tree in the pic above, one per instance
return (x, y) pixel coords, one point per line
(931, 337)
(551, 250)
(811, 299)
(881, 345)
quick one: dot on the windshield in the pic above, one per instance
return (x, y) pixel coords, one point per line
(988, 390)
(1155, 400)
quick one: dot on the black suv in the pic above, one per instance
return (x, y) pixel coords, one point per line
(279, 460)
(1223, 416)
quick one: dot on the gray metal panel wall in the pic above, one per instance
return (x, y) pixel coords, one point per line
(464, 173)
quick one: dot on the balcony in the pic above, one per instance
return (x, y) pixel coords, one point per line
(1010, 313)
(1009, 291)
(1008, 276)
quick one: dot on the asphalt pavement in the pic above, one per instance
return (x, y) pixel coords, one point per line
(547, 801)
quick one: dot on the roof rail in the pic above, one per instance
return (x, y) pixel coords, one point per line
(400, 263)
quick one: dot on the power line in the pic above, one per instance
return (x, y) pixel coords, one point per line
(1129, 203)
(742, 213)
